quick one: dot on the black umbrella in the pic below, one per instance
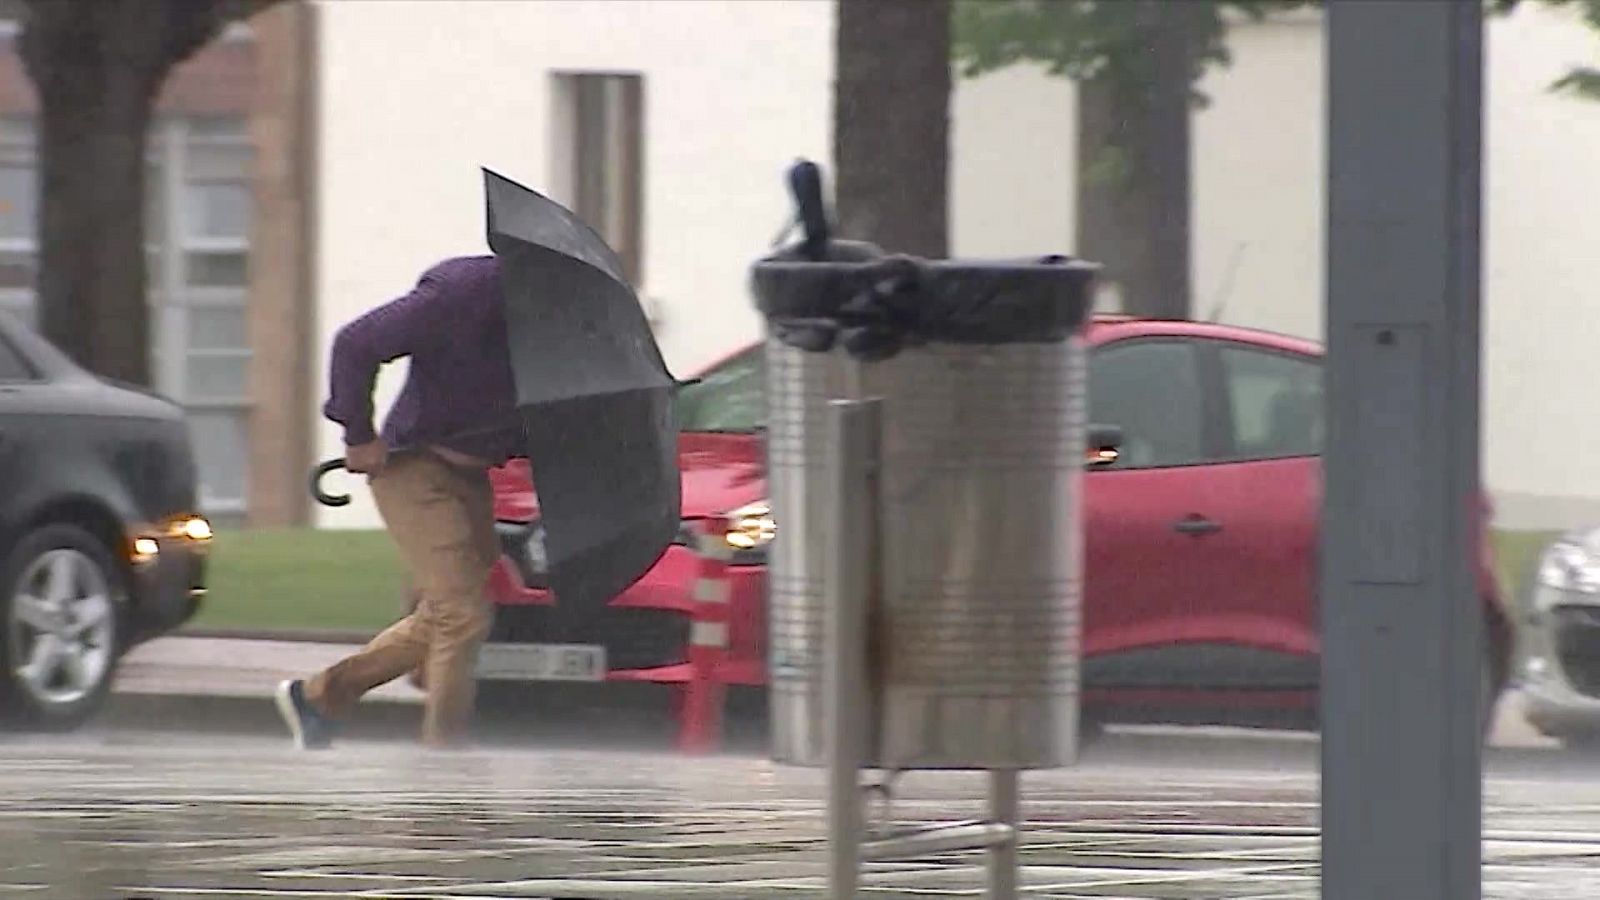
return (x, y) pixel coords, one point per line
(595, 397)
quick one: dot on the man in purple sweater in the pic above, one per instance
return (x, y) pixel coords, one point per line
(455, 419)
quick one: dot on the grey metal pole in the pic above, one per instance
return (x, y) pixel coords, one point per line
(1401, 620)
(854, 432)
(938, 839)
(1005, 808)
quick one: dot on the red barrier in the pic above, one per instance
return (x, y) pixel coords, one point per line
(700, 722)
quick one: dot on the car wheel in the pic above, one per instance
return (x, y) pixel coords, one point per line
(64, 599)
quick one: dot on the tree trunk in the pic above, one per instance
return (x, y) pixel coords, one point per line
(97, 67)
(891, 140)
(1133, 175)
(95, 117)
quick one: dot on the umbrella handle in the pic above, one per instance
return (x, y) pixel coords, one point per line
(321, 496)
(805, 183)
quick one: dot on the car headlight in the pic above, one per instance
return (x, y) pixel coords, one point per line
(193, 531)
(193, 528)
(751, 527)
(1570, 567)
(145, 550)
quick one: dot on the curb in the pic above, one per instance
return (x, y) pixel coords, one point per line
(551, 719)
(296, 635)
(199, 715)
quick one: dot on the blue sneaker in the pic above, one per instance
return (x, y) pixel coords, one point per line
(311, 731)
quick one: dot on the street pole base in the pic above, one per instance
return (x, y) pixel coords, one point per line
(954, 837)
(999, 835)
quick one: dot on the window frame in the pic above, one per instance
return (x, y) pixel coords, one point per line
(1212, 437)
(180, 150)
(605, 184)
(1217, 374)
(32, 373)
(18, 158)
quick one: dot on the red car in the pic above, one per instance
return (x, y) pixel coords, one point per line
(1200, 601)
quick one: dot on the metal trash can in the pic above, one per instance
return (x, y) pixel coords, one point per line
(974, 635)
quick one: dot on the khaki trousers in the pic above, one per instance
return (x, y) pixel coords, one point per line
(442, 518)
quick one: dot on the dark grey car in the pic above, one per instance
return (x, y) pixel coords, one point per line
(101, 544)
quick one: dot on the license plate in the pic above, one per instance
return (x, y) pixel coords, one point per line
(542, 662)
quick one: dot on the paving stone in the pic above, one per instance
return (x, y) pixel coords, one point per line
(244, 817)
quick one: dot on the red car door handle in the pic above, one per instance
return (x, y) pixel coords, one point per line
(1196, 525)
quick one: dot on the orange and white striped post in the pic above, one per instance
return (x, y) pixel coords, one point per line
(700, 725)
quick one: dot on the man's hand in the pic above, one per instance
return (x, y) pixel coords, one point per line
(366, 459)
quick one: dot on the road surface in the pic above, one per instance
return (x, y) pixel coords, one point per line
(160, 798)
(120, 813)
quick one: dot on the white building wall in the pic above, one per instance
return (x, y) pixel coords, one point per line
(1259, 213)
(417, 94)
(1013, 166)
(1258, 216)
(1542, 271)
(1258, 172)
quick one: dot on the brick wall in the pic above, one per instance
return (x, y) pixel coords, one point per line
(281, 384)
(265, 79)
(219, 80)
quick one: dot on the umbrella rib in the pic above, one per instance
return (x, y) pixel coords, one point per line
(667, 383)
(578, 332)
(571, 218)
(613, 276)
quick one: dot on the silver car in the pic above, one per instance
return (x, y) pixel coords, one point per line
(1560, 641)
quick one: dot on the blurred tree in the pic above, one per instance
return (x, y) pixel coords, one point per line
(1582, 81)
(98, 67)
(1137, 64)
(891, 114)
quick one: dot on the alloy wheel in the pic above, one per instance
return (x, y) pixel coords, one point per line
(62, 627)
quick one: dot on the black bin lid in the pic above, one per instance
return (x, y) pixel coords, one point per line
(877, 304)
(821, 292)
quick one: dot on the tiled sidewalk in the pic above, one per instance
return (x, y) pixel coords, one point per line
(155, 815)
(246, 670)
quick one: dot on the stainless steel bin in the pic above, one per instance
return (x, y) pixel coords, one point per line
(974, 647)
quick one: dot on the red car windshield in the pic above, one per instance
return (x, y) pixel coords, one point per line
(726, 400)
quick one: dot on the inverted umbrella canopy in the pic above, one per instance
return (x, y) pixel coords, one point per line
(594, 394)
(595, 399)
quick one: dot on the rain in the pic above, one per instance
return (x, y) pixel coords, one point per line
(808, 448)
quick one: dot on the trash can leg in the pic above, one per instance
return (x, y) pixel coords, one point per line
(847, 592)
(846, 831)
(1004, 809)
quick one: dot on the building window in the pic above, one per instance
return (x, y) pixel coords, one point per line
(203, 345)
(197, 221)
(599, 159)
(19, 198)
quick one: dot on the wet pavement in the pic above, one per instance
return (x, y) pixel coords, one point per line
(170, 677)
(186, 788)
(118, 813)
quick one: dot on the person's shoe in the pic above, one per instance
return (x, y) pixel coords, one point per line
(310, 729)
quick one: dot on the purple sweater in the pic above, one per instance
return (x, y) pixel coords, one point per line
(459, 394)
